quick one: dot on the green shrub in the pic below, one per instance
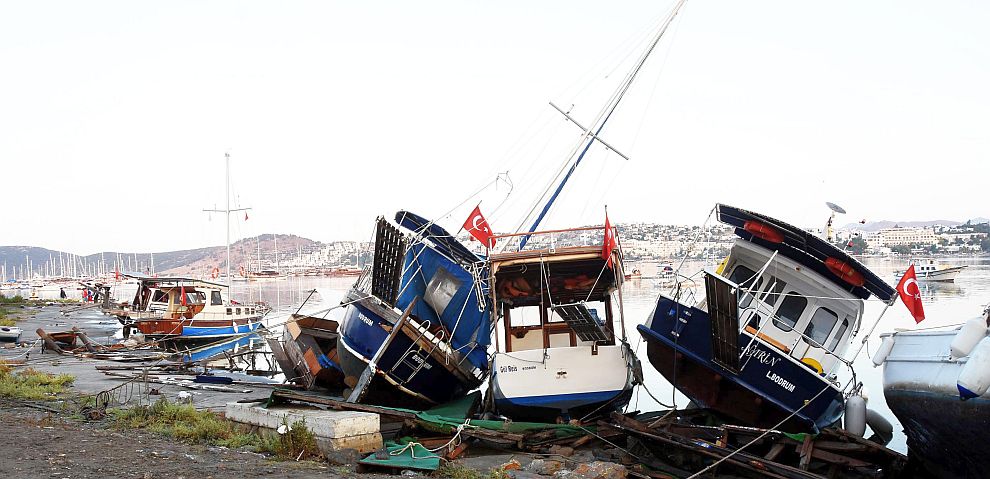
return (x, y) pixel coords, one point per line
(32, 384)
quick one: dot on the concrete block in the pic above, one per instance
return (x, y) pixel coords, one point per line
(334, 430)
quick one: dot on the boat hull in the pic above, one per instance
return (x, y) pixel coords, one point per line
(9, 334)
(402, 379)
(945, 435)
(195, 330)
(572, 382)
(768, 389)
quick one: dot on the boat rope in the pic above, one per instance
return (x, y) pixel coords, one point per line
(455, 441)
(762, 435)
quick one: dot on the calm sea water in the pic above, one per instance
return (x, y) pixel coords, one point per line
(945, 305)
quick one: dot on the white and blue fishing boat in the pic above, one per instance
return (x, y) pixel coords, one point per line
(417, 325)
(765, 345)
(564, 353)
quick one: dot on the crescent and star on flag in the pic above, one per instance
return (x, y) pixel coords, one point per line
(910, 293)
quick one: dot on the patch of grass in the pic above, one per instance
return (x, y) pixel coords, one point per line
(11, 300)
(185, 423)
(32, 384)
(5, 321)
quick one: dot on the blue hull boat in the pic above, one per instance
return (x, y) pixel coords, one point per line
(416, 329)
(767, 345)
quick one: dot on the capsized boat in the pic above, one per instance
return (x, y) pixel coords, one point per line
(417, 325)
(564, 354)
(307, 352)
(935, 381)
(188, 309)
(765, 344)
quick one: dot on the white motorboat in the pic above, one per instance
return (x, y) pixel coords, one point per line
(928, 383)
(930, 269)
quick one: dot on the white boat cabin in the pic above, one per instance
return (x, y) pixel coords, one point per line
(171, 299)
(556, 297)
(790, 307)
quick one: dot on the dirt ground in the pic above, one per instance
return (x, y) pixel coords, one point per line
(38, 444)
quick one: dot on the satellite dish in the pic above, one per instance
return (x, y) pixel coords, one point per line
(834, 207)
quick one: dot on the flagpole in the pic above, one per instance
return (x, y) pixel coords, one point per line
(862, 343)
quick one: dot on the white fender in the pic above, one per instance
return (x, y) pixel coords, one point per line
(854, 419)
(880, 426)
(968, 336)
(974, 379)
(885, 347)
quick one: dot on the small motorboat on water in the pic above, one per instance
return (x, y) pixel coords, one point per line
(936, 382)
(764, 346)
(10, 333)
(930, 269)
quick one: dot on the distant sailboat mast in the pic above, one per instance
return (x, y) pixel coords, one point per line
(228, 211)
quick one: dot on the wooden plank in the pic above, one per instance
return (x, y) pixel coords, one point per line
(339, 404)
(807, 448)
(775, 451)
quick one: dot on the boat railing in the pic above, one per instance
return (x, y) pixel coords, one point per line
(551, 239)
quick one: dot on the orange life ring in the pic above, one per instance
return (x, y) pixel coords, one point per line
(845, 272)
(763, 231)
(215, 273)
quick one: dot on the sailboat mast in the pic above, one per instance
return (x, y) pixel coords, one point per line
(591, 133)
(227, 197)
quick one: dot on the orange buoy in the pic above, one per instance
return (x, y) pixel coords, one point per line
(844, 271)
(763, 231)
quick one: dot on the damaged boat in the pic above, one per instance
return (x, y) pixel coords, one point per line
(564, 353)
(187, 309)
(765, 344)
(417, 325)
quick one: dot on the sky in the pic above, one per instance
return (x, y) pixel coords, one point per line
(116, 116)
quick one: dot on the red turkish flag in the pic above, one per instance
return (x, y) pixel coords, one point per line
(609, 242)
(911, 294)
(477, 225)
(182, 295)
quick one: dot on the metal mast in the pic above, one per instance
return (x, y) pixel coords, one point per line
(227, 211)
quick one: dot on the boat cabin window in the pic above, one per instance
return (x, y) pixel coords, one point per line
(238, 311)
(790, 311)
(821, 325)
(743, 276)
(775, 287)
(215, 298)
(230, 310)
(441, 290)
(838, 335)
(160, 297)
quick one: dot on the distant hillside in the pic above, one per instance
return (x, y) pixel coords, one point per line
(879, 225)
(197, 260)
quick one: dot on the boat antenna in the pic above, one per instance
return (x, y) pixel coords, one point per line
(228, 211)
(828, 226)
(591, 133)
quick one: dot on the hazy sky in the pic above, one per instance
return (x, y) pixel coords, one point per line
(115, 116)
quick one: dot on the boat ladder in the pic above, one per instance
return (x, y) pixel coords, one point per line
(414, 359)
